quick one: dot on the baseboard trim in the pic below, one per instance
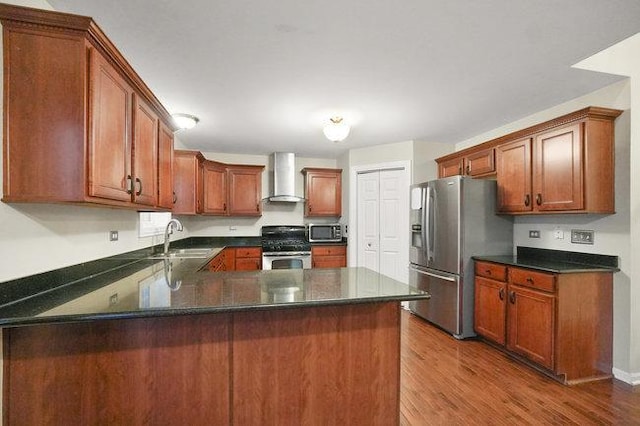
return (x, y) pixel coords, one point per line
(631, 378)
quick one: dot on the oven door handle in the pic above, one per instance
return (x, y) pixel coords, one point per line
(287, 254)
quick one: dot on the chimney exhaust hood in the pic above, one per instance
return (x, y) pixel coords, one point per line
(284, 179)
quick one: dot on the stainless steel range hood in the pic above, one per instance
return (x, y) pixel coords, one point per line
(284, 179)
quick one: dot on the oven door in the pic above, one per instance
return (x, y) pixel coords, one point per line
(301, 260)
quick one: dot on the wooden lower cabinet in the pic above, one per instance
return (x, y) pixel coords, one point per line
(328, 256)
(561, 322)
(248, 259)
(236, 259)
(245, 368)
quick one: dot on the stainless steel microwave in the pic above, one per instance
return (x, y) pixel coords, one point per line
(324, 232)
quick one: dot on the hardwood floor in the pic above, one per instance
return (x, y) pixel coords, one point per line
(449, 382)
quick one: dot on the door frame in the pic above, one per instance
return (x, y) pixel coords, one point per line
(352, 249)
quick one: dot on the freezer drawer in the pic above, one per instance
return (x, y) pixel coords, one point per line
(444, 307)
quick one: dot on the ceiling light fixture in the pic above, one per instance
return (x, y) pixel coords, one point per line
(337, 130)
(185, 121)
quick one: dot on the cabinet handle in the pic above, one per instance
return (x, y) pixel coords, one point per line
(129, 184)
(468, 169)
(139, 182)
(487, 271)
(175, 197)
(526, 200)
(224, 207)
(309, 208)
(539, 199)
(257, 207)
(501, 294)
(529, 280)
(512, 297)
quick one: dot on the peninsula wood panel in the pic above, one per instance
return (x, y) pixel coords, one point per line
(171, 370)
(326, 365)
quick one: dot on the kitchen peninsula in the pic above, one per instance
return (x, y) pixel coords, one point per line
(155, 341)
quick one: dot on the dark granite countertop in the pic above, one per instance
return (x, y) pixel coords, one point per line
(135, 285)
(556, 261)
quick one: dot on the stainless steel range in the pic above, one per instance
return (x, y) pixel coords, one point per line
(285, 247)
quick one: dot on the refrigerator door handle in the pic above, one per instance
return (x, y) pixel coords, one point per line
(429, 223)
(425, 215)
(431, 274)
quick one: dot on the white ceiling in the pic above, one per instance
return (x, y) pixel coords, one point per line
(264, 75)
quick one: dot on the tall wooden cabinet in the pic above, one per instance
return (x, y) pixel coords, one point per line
(562, 322)
(323, 191)
(80, 124)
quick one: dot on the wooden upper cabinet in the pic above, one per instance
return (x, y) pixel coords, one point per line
(92, 135)
(323, 191)
(514, 176)
(245, 190)
(215, 188)
(232, 190)
(166, 192)
(451, 167)
(558, 168)
(476, 164)
(110, 168)
(567, 168)
(187, 182)
(145, 154)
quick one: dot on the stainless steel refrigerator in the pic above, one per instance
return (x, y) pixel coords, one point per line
(453, 219)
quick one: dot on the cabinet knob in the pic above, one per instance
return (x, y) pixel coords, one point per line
(539, 199)
(487, 271)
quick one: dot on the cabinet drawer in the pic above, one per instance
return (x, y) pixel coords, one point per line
(491, 270)
(329, 250)
(532, 279)
(248, 252)
(249, 264)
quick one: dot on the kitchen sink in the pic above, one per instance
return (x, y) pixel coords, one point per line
(187, 253)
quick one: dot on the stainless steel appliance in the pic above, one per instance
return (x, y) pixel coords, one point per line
(453, 219)
(285, 247)
(324, 233)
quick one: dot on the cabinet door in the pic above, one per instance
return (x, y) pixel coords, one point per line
(245, 191)
(451, 167)
(145, 153)
(214, 188)
(187, 182)
(557, 169)
(530, 328)
(110, 143)
(480, 163)
(514, 176)
(324, 193)
(490, 309)
(166, 194)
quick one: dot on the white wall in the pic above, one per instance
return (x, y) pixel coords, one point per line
(424, 154)
(612, 232)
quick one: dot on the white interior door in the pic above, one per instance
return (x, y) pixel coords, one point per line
(368, 220)
(382, 225)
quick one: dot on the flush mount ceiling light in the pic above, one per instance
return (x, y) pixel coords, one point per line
(337, 130)
(185, 121)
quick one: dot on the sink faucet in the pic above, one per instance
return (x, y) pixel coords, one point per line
(173, 223)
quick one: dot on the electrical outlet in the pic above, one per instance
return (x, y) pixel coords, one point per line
(113, 235)
(113, 299)
(534, 233)
(558, 234)
(582, 236)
